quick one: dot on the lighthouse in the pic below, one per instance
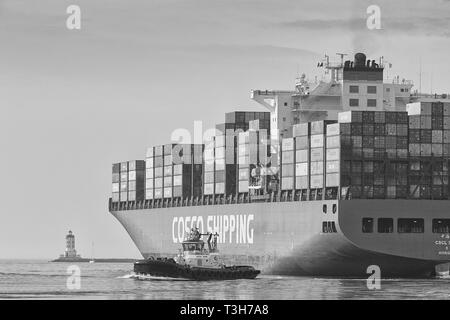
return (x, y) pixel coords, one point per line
(70, 246)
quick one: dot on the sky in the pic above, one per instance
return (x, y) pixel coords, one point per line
(75, 101)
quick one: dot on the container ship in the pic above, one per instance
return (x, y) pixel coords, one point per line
(335, 176)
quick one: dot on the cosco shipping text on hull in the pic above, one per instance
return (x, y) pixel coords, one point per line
(232, 228)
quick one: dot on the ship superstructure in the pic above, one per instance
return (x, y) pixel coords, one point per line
(339, 175)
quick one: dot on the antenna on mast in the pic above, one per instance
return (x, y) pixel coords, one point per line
(342, 57)
(420, 74)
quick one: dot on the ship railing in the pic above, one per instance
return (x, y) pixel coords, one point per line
(283, 196)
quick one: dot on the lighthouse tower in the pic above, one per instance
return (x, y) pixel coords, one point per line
(70, 246)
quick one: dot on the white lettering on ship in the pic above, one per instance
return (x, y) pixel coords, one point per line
(231, 228)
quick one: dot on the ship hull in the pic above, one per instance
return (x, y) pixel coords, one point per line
(320, 238)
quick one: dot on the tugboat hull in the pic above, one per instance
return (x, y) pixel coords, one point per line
(169, 268)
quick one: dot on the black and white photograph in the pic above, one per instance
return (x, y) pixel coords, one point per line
(222, 151)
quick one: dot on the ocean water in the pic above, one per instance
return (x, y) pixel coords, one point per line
(46, 280)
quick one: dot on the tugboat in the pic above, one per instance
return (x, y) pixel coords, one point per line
(195, 262)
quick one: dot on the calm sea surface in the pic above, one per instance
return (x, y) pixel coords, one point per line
(46, 280)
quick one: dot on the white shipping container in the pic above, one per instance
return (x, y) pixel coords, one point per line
(149, 194)
(168, 181)
(243, 150)
(287, 157)
(177, 169)
(301, 182)
(167, 171)
(149, 163)
(116, 197)
(177, 180)
(334, 142)
(220, 188)
(243, 137)
(345, 117)
(220, 153)
(287, 144)
(418, 108)
(115, 187)
(301, 169)
(301, 156)
(123, 186)
(158, 183)
(317, 141)
(158, 193)
(209, 177)
(149, 153)
(220, 164)
(287, 183)
(332, 180)
(149, 184)
(243, 174)
(332, 166)
(124, 176)
(208, 189)
(209, 154)
(131, 175)
(317, 167)
(158, 172)
(333, 154)
(317, 181)
(333, 129)
(219, 141)
(149, 173)
(301, 129)
(168, 192)
(243, 186)
(243, 160)
(316, 154)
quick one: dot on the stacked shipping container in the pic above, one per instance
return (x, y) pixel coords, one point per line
(429, 141)
(174, 171)
(253, 148)
(149, 174)
(301, 136)
(303, 158)
(116, 182)
(128, 180)
(136, 180)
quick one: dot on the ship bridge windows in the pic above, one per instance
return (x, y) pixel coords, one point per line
(196, 246)
(441, 225)
(354, 89)
(372, 89)
(354, 102)
(371, 102)
(385, 225)
(410, 225)
(367, 225)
